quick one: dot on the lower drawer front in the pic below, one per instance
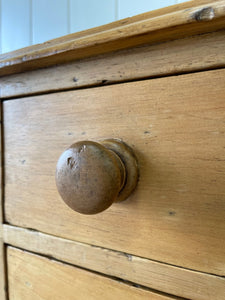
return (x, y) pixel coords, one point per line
(176, 127)
(34, 277)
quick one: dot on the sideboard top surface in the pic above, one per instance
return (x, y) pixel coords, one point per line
(169, 23)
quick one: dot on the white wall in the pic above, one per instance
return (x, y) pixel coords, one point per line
(28, 22)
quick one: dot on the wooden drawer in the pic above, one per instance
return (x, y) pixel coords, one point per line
(176, 127)
(35, 277)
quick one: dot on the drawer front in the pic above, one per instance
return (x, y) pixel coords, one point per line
(34, 277)
(176, 128)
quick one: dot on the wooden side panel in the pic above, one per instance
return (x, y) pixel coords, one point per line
(176, 127)
(181, 56)
(34, 277)
(2, 269)
(2, 254)
(158, 276)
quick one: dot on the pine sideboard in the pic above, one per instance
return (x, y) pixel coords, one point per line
(155, 81)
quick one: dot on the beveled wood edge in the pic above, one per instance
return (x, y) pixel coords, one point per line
(125, 65)
(3, 285)
(182, 20)
(155, 275)
(119, 23)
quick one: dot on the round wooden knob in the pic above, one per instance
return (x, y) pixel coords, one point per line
(91, 176)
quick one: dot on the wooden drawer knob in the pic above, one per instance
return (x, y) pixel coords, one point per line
(91, 176)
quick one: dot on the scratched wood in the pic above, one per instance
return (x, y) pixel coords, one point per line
(35, 277)
(176, 127)
(195, 53)
(183, 20)
(158, 276)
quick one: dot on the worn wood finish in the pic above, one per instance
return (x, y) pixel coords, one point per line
(178, 23)
(119, 23)
(2, 252)
(175, 126)
(166, 278)
(195, 53)
(35, 277)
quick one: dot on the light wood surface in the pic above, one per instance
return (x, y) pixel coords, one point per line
(193, 18)
(2, 269)
(166, 278)
(175, 126)
(119, 23)
(2, 252)
(34, 277)
(195, 53)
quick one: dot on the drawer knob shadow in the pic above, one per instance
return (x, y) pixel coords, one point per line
(90, 176)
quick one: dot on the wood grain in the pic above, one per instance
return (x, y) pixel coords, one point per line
(34, 277)
(176, 23)
(166, 278)
(119, 23)
(2, 252)
(175, 126)
(180, 56)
